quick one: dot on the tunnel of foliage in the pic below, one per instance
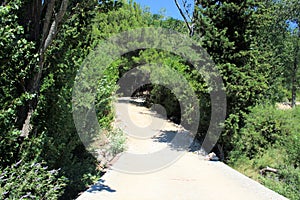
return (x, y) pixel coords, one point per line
(254, 45)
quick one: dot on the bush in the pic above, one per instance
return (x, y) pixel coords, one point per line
(287, 182)
(262, 130)
(270, 137)
(117, 141)
(30, 181)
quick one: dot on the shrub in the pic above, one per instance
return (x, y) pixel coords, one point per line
(117, 141)
(262, 129)
(30, 181)
(270, 137)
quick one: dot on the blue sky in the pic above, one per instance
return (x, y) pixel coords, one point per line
(157, 5)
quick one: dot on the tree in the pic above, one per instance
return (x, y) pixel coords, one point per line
(36, 82)
(41, 20)
(229, 31)
(292, 13)
(279, 35)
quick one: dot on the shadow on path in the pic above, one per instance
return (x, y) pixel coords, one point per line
(99, 186)
(178, 140)
(131, 100)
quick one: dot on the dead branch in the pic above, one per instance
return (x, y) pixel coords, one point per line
(267, 169)
(190, 27)
(184, 2)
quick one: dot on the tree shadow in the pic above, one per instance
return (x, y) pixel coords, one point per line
(153, 114)
(180, 140)
(133, 100)
(99, 186)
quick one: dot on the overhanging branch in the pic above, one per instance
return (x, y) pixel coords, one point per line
(190, 27)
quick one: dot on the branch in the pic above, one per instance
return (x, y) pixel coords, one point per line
(50, 8)
(184, 17)
(62, 10)
(48, 35)
(267, 169)
(27, 126)
(53, 29)
(3, 3)
(186, 10)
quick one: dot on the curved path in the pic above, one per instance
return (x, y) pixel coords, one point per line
(189, 177)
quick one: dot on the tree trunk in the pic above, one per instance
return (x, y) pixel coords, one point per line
(43, 36)
(294, 90)
(295, 72)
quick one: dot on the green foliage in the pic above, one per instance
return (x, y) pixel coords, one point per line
(249, 41)
(286, 183)
(270, 137)
(262, 129)
(117, 141)
(128, 16)
(279, 37)
(16, 61)
(167, 90)
(54, 139)
(30, 181)
(62, 147)
(231, 32)
(105, 95)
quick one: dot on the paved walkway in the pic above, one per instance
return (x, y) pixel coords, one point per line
(158, 165)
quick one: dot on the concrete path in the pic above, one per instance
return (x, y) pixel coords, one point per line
(176, 172)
